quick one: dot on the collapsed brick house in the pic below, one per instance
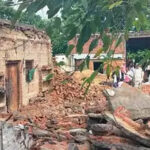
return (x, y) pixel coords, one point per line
(22, 49)
(76, 59)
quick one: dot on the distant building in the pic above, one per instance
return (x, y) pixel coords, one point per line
(67, 62)
(77, 59)
(25, 61)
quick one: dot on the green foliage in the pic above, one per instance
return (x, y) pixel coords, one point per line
(82, 66)
(87, 17)
(93, 44)
(87, 81)
(141, 57)
(7, 12)
(108, 70)
(116, 4)
(106, 42)
(49, 77)
(85, 63)
(61, 63)
(70, 47)
(84, 36)
(118, 42)
(51, 26)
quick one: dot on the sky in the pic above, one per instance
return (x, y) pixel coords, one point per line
(42, 12)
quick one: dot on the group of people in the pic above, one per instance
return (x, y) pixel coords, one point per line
(132, 75)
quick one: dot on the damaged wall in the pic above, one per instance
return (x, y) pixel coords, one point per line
(25, 46)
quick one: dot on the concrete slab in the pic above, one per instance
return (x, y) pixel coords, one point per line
(134, 100)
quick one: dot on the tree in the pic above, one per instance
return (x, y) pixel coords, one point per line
(55, 31)
(141, 57)
(7, 12)
(102, 16)
(58, 42)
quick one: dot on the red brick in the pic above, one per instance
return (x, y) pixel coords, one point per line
(119, 50)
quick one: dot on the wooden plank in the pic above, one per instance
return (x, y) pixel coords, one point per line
(13, 86)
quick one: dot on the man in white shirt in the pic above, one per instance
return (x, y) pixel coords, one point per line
(138, 76)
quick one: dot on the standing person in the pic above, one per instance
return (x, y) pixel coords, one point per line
(131, 73)
(138, 76)
(123, 71)
(116, 77)
(128, 76)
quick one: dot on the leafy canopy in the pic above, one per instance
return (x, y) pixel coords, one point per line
(58, 41)
(88, 17)
(141, 57)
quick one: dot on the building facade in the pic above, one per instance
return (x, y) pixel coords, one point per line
(77, 59)
(25, 60)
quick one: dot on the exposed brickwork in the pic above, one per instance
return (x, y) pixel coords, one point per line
(118, 63)
(24, 44)
(119, 50)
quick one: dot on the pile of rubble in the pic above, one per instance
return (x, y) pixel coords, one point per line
(67, 119)
(118, 131)
(50, 117)
(65, 99)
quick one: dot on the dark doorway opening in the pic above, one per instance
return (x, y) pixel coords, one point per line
(135, 44)
(97, 65)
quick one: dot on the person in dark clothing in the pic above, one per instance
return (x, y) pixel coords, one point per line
(116, 77)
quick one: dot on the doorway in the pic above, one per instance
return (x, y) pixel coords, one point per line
(97, 65)
(12, 85)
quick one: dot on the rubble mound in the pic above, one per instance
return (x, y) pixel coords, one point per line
(67, 102)
(66, 118)
(80, 76)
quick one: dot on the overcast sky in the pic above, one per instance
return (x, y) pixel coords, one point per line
(42, 12)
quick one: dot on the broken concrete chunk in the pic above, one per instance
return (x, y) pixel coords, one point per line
(136, 102)
(110, 92)
(80, 139)
(115, 142)
(75, 132)
(104, 145)
(131, 129)
(97, 116)
(100, 129)
(41, 133)
(15, 137)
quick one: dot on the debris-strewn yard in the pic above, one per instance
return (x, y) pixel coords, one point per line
(65, 107)
(67, 119)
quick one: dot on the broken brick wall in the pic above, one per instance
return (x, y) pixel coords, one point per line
(24, 44)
